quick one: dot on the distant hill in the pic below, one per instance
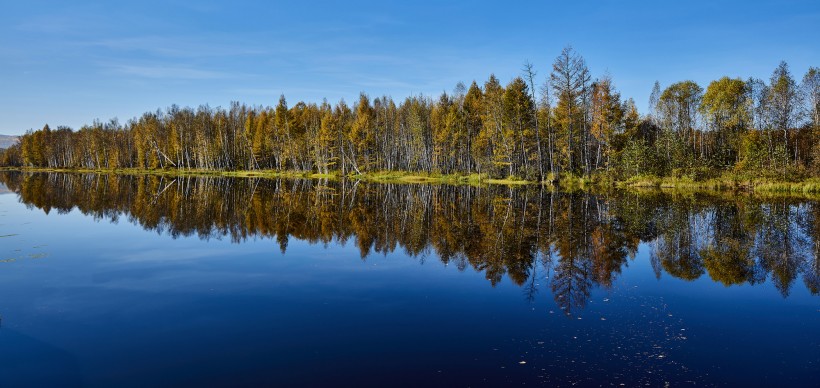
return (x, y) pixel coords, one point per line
(7, 141)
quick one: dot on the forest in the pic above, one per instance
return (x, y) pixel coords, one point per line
(579, 240)
(569, 125)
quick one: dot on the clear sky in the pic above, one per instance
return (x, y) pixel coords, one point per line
(70, 62)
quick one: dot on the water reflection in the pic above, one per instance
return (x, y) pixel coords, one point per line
(567, 242)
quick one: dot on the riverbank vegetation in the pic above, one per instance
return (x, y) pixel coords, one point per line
(572, 128)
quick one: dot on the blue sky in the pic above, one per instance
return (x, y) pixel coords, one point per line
(68, 63)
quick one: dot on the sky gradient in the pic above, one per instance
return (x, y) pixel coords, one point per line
(68, 63)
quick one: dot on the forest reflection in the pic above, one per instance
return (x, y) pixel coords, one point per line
(570, 242)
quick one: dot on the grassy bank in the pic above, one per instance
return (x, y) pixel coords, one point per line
(726, 183)
(379, 176)
(568, 182)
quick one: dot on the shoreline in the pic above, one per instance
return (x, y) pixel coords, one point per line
(808, 187)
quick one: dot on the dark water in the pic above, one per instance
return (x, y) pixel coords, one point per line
(151, 281)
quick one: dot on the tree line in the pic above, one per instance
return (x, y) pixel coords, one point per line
(570, 242)
(571, 123)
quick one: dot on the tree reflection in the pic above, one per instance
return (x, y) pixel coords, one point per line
(678, 245)
(811, 266)
(781, 247)
(728, 254)
(569, 243)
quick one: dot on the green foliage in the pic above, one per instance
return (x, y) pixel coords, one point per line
(637, 158)
(725, 105)
(580, 126)
(754, 155)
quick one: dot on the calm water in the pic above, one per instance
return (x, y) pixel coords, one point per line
(150, 281)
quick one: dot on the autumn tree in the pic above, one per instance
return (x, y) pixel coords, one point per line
(361, 134)
(518, 129)
(607, 115)
(810, 88)
(783, 101)
(473, 106)
(728, 115)
(679, 119)
(569, 79)
(497, 151)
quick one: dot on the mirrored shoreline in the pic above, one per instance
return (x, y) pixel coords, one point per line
(584, 241)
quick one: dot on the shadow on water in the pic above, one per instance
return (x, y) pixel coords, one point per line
(569, 243)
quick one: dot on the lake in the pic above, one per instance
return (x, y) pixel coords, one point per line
(117, 280)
